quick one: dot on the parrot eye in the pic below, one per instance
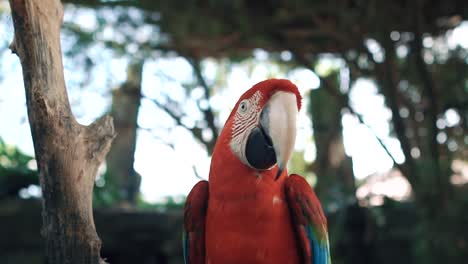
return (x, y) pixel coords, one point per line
(243, 106)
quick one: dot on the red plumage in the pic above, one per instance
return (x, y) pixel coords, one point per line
(250, 217)
(194, 222)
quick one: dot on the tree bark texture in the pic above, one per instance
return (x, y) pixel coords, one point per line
(125, 105)
(67, 153)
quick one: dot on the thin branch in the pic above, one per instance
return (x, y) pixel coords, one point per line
(208, 113)
(197, 132)
(177, 118)
(171, 145)
(169, 78)
(386, 76)
(344, 103)
(382, 144)
(316, 33)
(428, 86)
(195, 171)
(150, 130)
(354, 67)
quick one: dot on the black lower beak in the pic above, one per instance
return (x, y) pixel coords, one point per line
(259, 150)
(278, 174)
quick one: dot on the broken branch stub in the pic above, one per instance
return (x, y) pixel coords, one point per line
(68, 154)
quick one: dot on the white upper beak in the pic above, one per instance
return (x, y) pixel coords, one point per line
(280, 122)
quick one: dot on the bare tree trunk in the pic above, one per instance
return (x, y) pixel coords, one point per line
(333, 167)
(68, 154)
(125, 105)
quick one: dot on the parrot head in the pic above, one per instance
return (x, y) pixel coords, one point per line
(261, 129)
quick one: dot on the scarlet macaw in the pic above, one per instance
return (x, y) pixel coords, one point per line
(251, 211)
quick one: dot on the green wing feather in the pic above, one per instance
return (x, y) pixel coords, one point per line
(309, 221)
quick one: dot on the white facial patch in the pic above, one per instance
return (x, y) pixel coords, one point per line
(246, 118)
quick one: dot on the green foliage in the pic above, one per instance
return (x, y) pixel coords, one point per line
(397, 232)
(107, 195)
(169, 203)
(12, 157)
(298, 165)
(16, 170)
(105, 192)
(426, 226)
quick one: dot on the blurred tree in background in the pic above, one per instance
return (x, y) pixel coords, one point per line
(403, 47)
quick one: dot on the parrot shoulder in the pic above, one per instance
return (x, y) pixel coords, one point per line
(194, 224)
(308, 219)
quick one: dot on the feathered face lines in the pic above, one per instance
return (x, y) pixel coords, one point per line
(262, 125)
(246, 119)
(247, 114)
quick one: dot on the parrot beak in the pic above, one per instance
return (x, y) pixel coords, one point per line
(282, 126)
(273, 141)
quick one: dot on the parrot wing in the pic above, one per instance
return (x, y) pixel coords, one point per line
(309, 220)
(194, 224)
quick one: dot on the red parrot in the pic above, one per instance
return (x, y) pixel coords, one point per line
(250, 211)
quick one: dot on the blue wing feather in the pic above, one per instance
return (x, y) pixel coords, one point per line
(186, 246)
(309, 221)
(320, 249)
